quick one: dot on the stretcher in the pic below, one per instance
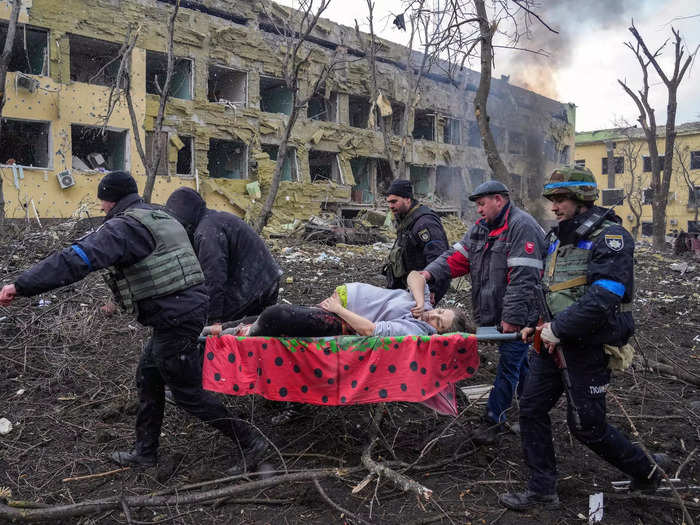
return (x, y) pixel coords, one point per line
(345, 370)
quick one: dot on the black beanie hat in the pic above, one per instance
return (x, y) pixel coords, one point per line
(401, 188)
(115, 185)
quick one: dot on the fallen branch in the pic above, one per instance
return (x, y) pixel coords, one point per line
(98, 475)
(674, 371)
(337, 507)
(15, 515)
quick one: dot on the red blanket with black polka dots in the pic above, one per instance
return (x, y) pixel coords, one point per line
(344, 370)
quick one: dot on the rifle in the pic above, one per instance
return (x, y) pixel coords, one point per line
(546, 317)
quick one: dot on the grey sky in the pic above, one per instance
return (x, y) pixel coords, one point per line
(586, 58)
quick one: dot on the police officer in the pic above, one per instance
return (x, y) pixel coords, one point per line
(154, 273)
(240, 274)
(590, 277)
(420, 238)
(503, 253)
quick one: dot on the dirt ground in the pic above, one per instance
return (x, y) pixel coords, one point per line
(67, 387)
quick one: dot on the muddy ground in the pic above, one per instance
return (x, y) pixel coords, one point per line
(67, 387)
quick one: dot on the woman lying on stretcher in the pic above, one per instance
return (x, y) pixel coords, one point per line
(354, 308)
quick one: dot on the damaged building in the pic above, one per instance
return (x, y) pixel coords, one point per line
(227, 108)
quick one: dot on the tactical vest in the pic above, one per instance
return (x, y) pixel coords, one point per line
(565, 271)
(396, 264)
(171, 267)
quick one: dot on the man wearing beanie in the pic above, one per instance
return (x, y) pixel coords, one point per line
(154, 274)
(420, 239)
(241, 276)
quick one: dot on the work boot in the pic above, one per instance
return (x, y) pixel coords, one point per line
(250, 458)
(488, 433)
(528, 500)
(133, 459)
(650, 483)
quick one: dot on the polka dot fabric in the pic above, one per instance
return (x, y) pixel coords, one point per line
(343, 370)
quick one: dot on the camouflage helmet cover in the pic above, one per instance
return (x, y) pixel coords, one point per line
(572, 181)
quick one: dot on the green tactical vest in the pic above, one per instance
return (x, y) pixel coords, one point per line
(565, 270)
(171, 267)
(395, 261)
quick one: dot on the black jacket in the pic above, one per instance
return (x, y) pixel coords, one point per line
(121, 240)
(596, 317)
(237, 265)
(422, 241)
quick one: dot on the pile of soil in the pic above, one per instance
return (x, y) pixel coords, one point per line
(67, 387)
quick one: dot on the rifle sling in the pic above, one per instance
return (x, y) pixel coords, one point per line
(571, 283)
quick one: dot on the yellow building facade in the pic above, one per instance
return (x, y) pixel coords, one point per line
(632, 178)
(226, 112)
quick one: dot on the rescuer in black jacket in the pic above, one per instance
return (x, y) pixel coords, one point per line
(241, 276)
(420, 239)
(155, 274)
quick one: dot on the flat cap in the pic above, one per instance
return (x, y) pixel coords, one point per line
(490, 187)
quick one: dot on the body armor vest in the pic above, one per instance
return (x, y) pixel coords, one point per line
(171, 267)
(396, 263)
(565, 270)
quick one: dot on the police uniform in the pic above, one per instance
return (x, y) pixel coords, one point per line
(155, 274)
(420, 239)
(589, 275)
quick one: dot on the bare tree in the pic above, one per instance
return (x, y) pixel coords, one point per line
(4, 64)
(122, 86)
(295, 30)
(692, 181)
(659, 184)
(634, 180)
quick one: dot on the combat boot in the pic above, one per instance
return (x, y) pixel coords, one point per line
(134, 459)
(528, 499)
(650, 483)
(250, 458)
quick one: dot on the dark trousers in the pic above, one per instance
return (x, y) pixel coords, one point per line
(257, 305)
(543, 388)
(172, 357)
(303, 321)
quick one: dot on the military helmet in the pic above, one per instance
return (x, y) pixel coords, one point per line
(577, 183)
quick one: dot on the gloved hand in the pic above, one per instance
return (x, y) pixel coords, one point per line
(548, 335)
(214, 330)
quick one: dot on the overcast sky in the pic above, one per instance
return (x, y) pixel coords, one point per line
(587, 57)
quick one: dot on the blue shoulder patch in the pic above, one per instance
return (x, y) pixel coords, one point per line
(584, 245)
(552, 247)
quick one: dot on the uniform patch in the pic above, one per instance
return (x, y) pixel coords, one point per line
(597, 389)
(614, 242)
(424, 235)
(529, 247)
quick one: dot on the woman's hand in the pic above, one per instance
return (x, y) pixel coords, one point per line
(332, 303)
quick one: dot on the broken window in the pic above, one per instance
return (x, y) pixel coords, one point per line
(420, 178)
(358, 111)
(613, 197)
(694, 227)
(516, 143)
(550, 152)
(397, 115)
(474, 134)
(619, 165)
(647, 163)
(163, 164)
(362, 190)
(424, 125)
(29, 50)
(452, 131)
(96, 149)
(228, 159)
(25, 143)
(156, 69)
(449, 186)
(384, 176)
(228, 85)
(185, 157)
(647, 196)
(647, 229)
(322, 108)
(476, 176)
(323, 166)
(275, 96)
(93, 61)
(564, 155)
(695, 160)
(289, 167)
(694, 197)
(580, 163)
